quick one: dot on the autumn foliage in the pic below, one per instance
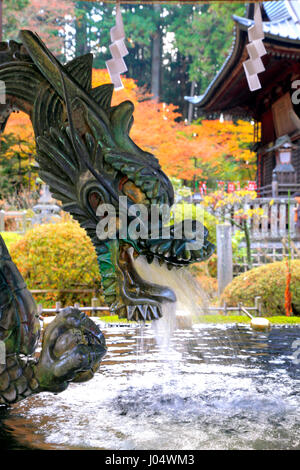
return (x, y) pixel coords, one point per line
(209, 150)
(206, 150)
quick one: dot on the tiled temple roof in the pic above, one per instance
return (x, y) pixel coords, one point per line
(283, 25)
(285, 28)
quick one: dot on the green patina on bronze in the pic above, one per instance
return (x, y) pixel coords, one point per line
(87, 158)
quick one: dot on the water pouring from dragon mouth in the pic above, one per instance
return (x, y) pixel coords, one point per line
(191, 298)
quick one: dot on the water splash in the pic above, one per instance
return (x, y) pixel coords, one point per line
(191, 298)
(165, 327)
(190, 301)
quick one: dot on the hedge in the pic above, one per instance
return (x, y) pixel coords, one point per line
(268, 282)
(58, 256)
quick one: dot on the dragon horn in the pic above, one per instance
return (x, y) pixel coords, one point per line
(45, 61)
(52, 70)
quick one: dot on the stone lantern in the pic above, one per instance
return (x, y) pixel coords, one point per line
(46, 210)
(284, 174)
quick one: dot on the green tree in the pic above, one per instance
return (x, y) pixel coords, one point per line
(205, 37)
(170, 45)
(141, 24)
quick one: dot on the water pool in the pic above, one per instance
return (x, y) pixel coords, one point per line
(209, 387)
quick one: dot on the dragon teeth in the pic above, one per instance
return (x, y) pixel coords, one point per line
(150, 314)
(143, 310)
(130, 311)
(146, 312)
(153, 310)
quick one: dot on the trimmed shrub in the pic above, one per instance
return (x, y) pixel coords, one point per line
(58, 256)
(268, 282)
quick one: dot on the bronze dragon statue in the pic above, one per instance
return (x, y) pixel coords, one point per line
(87, 158)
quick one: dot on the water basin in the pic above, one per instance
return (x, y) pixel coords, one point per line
(210, 387)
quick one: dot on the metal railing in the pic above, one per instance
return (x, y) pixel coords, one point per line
(240, 308)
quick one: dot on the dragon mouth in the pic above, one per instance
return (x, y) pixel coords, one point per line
(92, 334)
(174, 253)
(178, 262)
(95, 340)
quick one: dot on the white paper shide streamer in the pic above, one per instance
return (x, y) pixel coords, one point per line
(256, 50)
(116, 66)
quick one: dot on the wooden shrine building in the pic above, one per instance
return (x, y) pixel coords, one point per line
(271, 107)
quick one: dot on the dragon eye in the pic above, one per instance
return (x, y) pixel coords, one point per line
(95, 200)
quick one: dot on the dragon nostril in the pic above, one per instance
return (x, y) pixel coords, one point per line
(95, 200)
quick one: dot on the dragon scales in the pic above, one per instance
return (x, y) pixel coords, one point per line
(87, 158)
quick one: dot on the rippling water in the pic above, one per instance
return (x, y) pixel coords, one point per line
(211, 387)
